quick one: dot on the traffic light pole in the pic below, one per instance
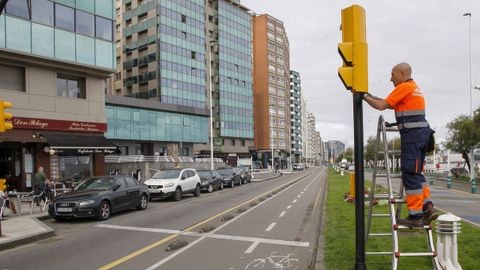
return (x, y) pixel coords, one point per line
(359, 182)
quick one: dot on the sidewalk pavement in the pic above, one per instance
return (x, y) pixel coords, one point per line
(23, 229)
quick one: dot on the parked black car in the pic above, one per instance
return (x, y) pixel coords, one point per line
(230, 177)
(210, 180)
(99, 197)
(245, 174)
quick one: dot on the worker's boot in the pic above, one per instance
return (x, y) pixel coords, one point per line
(411, 221)
(429, 213)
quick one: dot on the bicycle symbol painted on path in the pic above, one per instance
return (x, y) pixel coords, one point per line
(274, 261)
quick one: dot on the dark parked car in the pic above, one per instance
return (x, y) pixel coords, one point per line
(245, 174)
(230, 177)
(210, 180)
(99, 197)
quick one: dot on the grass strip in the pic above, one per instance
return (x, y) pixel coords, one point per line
(340, 235)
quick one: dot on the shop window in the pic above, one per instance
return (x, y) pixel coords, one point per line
(75, 167)
(185, 152)
(17, 8)
(42, 12)
(64, 17)
(71, 87)
(12, 78)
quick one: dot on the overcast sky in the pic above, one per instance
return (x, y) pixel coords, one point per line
(431, 35)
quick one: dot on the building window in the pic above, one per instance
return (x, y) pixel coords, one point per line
(185, 152)
(117, 12)
(42, 12)
(12, 78)
(184, 19)
(18, 8)
(64, 17)
(71, 87)
(194, 55)
(104, 28)
(84, 23)
(118, 76)
(233, 142)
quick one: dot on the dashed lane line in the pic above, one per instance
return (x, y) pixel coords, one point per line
(290, 206)
(282, 214)
(252, 247)
(270, 227)
(294, 201)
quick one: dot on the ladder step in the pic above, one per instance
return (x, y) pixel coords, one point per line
(392, 175)
(380, 215)
(380, 234)
(394, 152)
(382, 196)
(415, 254)
(429, 227)
(379, 253)
(391, 129)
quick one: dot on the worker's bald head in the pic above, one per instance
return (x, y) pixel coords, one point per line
(401, 73)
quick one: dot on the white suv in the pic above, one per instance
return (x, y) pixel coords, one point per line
(174, 183)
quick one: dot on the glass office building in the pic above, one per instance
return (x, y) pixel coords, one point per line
(235, 71)
(66, 30)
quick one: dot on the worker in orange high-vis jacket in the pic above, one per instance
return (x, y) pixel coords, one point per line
(416, 135)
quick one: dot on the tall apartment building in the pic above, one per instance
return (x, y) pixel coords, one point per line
(229, 73)
(296, 115)
(165, 58)
(311, 138)
(271, 88)
(55, 57)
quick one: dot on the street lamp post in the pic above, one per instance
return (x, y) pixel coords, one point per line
(212, 43)
(472, 174)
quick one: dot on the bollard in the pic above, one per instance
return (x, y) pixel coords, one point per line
(474, 185)
(449, 180)
(448, 226)
(352, 185)
(341, 172)
(431, 179)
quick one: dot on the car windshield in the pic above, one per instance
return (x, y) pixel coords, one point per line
(96, 184)
(167, 174)
(226, 171)
(204, 174)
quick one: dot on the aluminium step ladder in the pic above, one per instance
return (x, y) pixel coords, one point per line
(395, 201)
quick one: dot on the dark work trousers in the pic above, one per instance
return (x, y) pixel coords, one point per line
(414, 144)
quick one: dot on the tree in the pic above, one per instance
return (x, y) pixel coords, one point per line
(463, 135)
(370, 148)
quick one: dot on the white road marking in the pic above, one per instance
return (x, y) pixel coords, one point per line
(294, 201)
(270, 227)
(252, 247)
(299, 196)
(282, 213)
(302, 192)
(204, 236)
(208, 235)
(288, 207)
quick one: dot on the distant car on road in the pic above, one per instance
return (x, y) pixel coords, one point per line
(298, 167)
(174, 183)
(351, 167)
(210, 180)
(99, 197)
(230, 177)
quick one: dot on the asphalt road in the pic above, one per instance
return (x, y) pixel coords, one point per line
(272, 224)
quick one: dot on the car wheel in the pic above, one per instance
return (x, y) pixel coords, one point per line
(232, 184)
(221, 185)
(104, 211)
(210, 188)
(143, 202)
(197, 191)
(177, 196)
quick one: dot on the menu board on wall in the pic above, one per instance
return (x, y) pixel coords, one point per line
(54, 168)
(28, 160)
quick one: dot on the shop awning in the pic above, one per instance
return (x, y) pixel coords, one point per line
(79, 145)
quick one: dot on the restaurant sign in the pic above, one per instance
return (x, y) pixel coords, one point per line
(84, 151)
(61, 125)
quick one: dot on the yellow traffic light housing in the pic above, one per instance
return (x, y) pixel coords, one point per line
(354, 50)
(5, 117)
